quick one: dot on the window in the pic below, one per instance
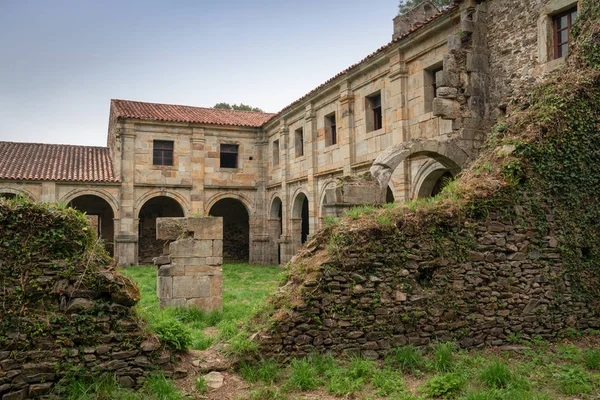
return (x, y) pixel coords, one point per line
(374, 114)
(430, 85)
(330, 130)
(276, 153)
(299, 136)
(162, 152)
(229, 155)
(562, 31)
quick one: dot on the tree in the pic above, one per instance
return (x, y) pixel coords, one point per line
(406, 5)
(240, 107)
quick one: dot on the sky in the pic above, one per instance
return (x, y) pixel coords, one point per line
(61, 61)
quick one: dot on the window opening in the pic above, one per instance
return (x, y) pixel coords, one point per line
(162, 152)
(562, 32)
(229, 155)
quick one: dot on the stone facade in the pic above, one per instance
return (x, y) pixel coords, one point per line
(190, 271)
(445, 79)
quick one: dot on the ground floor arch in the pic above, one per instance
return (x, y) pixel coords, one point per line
(100, 215)
(236, 228)
(7, 195)
(157, 207)
(300, 219)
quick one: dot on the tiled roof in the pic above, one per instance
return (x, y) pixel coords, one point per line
(177, 113)
(446, 10)
(55, 162)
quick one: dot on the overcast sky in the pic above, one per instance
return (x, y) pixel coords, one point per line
(61, 61)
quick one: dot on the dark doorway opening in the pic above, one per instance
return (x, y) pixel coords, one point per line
(100, 216)
(8, 195)
(305, 225)
(236, 229)
(441, 183)
(157, 207)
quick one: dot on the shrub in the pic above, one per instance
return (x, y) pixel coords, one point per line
(496, 375)
(173, 333)
(444, 357)
(387, 382)
(592, 358)
(444, 385)
(407, 358)
(573, 380)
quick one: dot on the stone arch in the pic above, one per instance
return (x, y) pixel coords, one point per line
(17, 192)
(180, 199)
(328, 184)
(447, 153)
(429, 178)
(236, 227)
(230, 195)
(100, 215)
(300, 217)
(154, 207)
(68, 198)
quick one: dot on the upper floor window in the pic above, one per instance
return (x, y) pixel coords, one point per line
(162, 152)
(430, 85)
(562, 31)
(299, 138)
(330, 130)
(229, 155)
(276, 153)
(374, 112)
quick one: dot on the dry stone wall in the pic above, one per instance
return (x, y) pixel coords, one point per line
(477, 283)
(62, 310)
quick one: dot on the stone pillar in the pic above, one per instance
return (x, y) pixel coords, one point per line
(197, 194)
(347, 124)
(126, 239)
(191, 274)
(48, 192)
(275, 236)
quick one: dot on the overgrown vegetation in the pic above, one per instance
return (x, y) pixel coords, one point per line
(244, 289)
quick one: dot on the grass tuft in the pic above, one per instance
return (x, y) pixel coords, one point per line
(407, 358)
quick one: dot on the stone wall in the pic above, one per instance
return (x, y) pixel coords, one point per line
(477, 283)
(62, 310)
(190, 272)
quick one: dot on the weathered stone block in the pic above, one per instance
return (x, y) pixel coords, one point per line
(169, 228)
(206, 228)
(214, 260)
(202, 270)
(162, 260)
(171, 270)
(191, 248)
(164, 287)
(446, 108)
(164, 302)
(195, 286)
(209, 304)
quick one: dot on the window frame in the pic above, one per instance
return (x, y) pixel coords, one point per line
(299, 142)
(331, 129)
(556, 30)
(223, 150)
(169, 148)
(276, 150)
(375, 119)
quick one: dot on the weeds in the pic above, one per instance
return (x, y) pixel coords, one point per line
(496, 375)
(444, 385)
(444, 357)
(592, 358)
(407, 358)
(573, 380)
(266, 371)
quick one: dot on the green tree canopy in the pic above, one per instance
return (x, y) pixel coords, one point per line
(406, 5)
(240, 107)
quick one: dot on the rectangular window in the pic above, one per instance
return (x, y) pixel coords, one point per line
(330, 130)
(299, 136)
(374, 112)
(229, 155)
(430, 85)
(562, 32)
(162, 152)
(276, 153)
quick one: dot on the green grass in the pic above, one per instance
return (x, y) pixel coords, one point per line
(244, 289)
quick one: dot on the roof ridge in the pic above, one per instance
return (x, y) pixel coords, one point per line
(54, 144)
(187, 105)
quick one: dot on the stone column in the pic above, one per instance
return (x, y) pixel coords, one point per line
(126, 239)
(191, 274)
(198, 155)
(348, 127)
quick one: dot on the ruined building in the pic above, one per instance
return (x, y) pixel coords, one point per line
(413, 113)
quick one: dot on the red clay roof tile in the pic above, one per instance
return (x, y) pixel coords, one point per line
(55, 162)
(178, 113)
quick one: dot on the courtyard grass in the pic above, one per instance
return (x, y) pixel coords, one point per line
(245, 288)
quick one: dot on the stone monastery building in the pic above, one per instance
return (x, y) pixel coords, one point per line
(413, 112)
